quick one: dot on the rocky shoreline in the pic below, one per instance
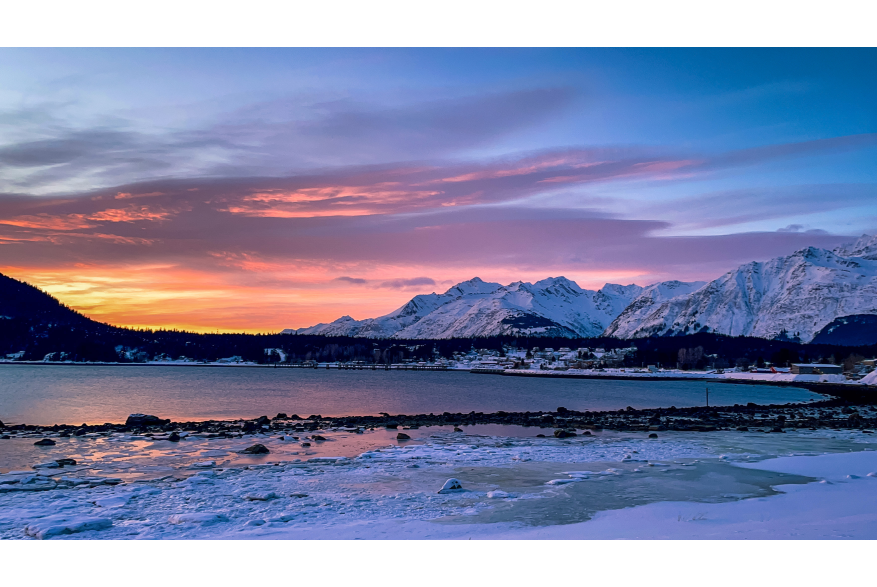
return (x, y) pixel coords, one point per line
(856, 412)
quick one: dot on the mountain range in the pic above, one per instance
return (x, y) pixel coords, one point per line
(792, 297)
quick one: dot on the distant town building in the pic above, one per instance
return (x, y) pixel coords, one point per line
(816, 369)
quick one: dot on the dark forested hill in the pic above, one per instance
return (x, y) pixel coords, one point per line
(22, 300)
(33, 321)
(857, 330)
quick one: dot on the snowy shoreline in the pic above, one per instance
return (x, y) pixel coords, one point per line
(609, 373)
(515, 485)
(678, 375)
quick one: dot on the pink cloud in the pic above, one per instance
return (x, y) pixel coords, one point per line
(49, 222)
(240, 238)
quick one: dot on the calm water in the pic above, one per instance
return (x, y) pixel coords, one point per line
(36, 394)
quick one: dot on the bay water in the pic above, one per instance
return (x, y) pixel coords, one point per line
(76, 394)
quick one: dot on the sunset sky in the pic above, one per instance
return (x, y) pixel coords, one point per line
(262, 189)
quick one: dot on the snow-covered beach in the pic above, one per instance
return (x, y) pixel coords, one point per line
(369, 485)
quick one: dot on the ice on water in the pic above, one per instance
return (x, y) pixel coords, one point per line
(127, 487)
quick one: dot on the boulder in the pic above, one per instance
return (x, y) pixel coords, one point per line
(457, 429)
(173, 437)
(305, 444)
(256, 449)
(145, 420)
(402, 436)
(317, 437)
(44, 442)
(563, 433)
(261, 496)
(653, 435)
(451, 485)
(281, 416)
(197, 518)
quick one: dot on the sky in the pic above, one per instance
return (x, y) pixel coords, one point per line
(261, 189)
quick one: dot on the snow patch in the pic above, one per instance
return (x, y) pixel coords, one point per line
(61, 524)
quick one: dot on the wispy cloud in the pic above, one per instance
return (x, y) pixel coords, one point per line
(271, 138)
(728, 208)
(408, 283)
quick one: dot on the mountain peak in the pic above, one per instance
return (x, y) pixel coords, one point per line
(476, 285)
(864, 246)
(560, 281)
(616, 289)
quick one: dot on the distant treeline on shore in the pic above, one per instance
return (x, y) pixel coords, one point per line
(34, 325)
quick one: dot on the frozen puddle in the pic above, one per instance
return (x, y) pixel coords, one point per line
(372, 486)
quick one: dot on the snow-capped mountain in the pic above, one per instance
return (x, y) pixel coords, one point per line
(795, 296)
(551, 307)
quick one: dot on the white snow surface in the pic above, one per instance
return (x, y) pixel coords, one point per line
(393, 492)
(679, 374)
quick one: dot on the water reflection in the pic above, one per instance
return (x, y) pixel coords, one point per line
(46, 395)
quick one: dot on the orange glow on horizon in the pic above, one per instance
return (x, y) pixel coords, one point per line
(268, 298)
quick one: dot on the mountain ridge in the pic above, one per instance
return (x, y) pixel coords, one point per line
(793, 296)
(555, 306)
